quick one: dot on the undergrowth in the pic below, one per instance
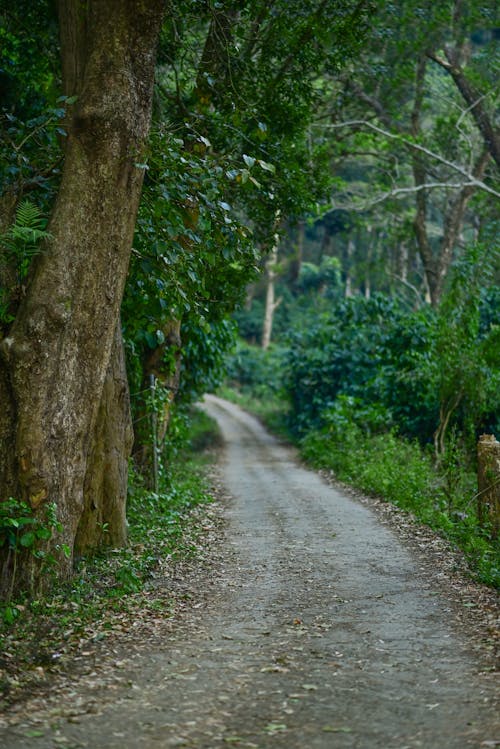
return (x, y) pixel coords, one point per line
(164, 528)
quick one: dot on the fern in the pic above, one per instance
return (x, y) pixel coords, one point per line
(22, 241)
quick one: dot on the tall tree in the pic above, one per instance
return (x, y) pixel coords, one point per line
(424, 140)
(55, 356)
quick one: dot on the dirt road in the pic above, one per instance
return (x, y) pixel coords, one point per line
(319, 632)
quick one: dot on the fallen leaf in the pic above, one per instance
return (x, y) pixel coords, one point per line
(337, 729)
(275, 727)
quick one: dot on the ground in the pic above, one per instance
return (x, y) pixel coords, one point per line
(318, 619)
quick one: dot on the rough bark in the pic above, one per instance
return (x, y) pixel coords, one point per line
(488, 478)
(103, 521)
(54, 360)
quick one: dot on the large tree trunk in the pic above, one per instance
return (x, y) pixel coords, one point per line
(54, 360)
(103, 521)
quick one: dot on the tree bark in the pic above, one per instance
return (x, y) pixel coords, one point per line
(103, 521)
(270, 305)
(54, 360)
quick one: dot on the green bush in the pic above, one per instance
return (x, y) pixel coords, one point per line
(401, 472)
(252, 370)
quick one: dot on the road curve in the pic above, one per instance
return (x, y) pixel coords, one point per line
(320, 632)
(386, 668)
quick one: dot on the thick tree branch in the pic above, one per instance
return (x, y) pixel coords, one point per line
(473, 99)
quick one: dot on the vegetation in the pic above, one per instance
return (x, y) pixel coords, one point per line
(362, 386)
(110, 589)
(289, 160)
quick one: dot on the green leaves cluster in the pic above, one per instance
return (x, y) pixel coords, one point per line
(24, 533)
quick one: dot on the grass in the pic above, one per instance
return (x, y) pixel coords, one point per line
(117, 585)
(271, 409)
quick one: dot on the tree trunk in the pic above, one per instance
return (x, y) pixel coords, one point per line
(103, 521)
(271, 303)
(296, 264)
(267, 326)
(488, 478)
(54, 360)
(166, 371)
(349, 253)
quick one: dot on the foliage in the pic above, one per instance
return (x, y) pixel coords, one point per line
(465, 358)
(30, 150)
(372, 350)
(22, 241)
(18, 246)
(255, 371)
(29, 55)
(401, 472)
(117, 587)
(192, 257)
(23, 533)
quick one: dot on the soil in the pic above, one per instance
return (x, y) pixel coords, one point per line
(321, 620)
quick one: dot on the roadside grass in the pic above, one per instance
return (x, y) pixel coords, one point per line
(116, 586)
(395, 470)
(271, 408)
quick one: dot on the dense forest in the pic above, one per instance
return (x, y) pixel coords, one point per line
(300, 196)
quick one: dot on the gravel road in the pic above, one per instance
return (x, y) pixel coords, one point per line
(318, 631)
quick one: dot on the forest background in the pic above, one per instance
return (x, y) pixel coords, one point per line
(327, 169)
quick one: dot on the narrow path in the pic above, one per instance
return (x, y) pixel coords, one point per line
(319, 633)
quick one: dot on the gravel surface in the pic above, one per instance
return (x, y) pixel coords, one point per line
(314, 627)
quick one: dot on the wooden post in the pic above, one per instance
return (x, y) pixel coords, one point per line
(488, 479)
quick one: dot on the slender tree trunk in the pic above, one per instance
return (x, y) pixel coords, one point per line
(326, 243)
(347, 265)
(296, 263)
(271, 304)
(164, 364)
(54, 360)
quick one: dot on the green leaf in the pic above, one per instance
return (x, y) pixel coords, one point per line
(10, 614)
(27, 539)
(43, 534)
(266, 166)
(249, 160)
